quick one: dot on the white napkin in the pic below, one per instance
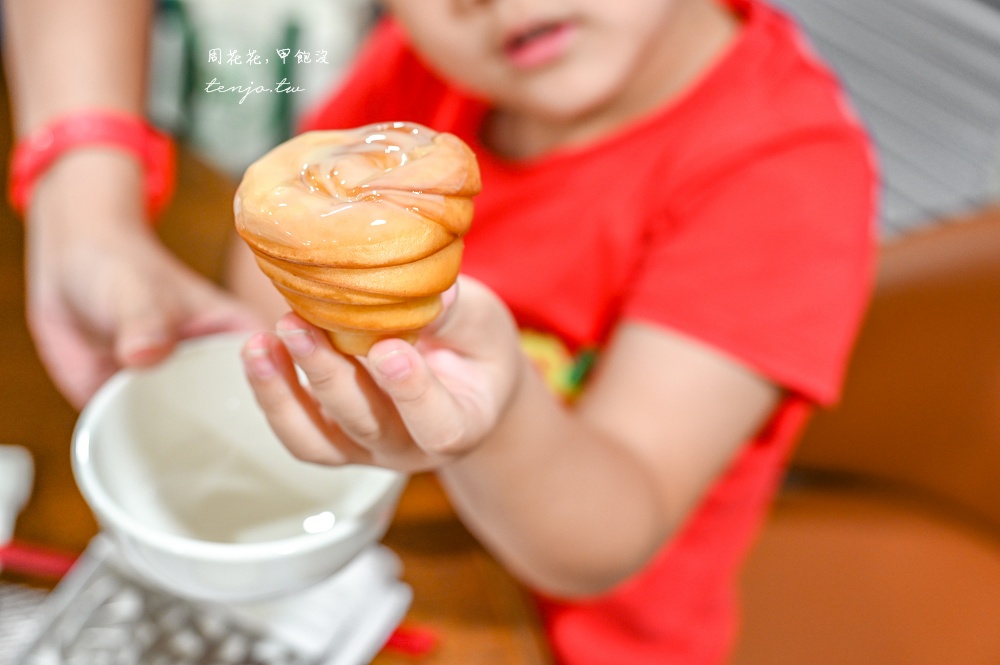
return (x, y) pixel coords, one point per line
(344, 620)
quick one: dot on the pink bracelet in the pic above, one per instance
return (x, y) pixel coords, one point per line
(34, 154)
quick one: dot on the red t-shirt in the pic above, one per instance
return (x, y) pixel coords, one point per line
(741, 214)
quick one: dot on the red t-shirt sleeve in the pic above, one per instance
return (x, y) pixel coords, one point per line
(770, 260)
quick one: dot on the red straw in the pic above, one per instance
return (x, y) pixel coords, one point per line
(412, 641)
(36, 561)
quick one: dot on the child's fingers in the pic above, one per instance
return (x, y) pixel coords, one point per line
(438, 422)
(291, 411)
(342, 388)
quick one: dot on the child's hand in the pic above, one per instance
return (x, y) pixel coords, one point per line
(403, 407)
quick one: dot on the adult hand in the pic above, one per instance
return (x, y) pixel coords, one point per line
(404, 407)
(102, 291)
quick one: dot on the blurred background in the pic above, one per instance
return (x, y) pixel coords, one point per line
(884, 546)
(247, 43)
(925, 77)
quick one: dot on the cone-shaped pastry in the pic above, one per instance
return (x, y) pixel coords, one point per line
(361, 230)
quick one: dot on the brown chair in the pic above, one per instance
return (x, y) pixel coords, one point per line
(884, 547)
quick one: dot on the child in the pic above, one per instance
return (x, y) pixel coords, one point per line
(672, 187)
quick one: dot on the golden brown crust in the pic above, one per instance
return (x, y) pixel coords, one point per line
(361, 229)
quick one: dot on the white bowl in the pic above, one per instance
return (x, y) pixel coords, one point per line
(183, 472)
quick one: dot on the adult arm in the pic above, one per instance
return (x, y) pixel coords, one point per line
(102, 292)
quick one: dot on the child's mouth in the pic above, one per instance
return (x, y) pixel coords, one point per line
(538, 45)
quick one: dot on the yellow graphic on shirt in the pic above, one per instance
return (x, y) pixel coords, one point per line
(563, 372)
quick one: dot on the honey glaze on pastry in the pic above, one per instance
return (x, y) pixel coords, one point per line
(361, 230)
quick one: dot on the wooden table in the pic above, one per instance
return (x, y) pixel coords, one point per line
(478, 613)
